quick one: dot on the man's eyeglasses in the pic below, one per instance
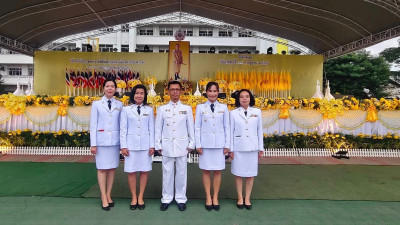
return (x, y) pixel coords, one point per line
(174, 89)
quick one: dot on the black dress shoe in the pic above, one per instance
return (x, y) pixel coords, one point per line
(208, 207)
(133, 207)
(248, 207)
(182, 206)
(105, 208)
(240, 206)
(111, 204)
(216, 207)
(164, 206)
(141, 207)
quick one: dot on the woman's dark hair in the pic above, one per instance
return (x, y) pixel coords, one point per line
(133, 92)
(210, 84)
(174, 82)
(112, 80)
(252, 100)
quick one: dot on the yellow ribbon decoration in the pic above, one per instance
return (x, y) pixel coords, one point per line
(284, 112)
(372, 115)
(62, 110)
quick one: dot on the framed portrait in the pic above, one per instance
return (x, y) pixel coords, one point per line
(179, 60)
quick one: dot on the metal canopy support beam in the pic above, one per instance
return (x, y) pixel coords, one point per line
(317, 12)
(175, 18)
(241, 30)
(363, 43)
(390, 5)
(14, 45)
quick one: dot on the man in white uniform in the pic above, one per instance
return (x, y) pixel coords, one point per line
(174, 137)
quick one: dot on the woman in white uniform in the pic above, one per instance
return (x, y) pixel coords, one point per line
(246, 144)
(212, 142)
(104, 140)
(137, 142)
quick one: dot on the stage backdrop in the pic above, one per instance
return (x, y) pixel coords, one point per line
(50, 67)
(304, 70)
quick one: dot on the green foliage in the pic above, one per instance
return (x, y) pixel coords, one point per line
(351, 73)
(45, 139)
(392, 55)
(332, 141)
(291, 140)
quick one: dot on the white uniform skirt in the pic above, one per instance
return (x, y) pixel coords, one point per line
(138, 161)
(245, 164)
(107, 157)
(212, 159)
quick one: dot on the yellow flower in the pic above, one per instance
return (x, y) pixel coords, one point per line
(132, 83)
(15, 104)
(204, 81)
(150, 80)
(121, 84)
(234, 85)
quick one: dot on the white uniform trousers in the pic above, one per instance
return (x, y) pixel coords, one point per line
(168, 179)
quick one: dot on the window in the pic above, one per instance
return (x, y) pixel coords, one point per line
(166, 31)
(145, 48)
(163, 49)
(106, 48)
(107, 29)
(225, 51)
(30, 71)
(146, 31)
(124, 48)
(205, 32)
(188, 31)
(225, 33)
(14, 71)
(247, 34)
(125, 28)
(204, 50)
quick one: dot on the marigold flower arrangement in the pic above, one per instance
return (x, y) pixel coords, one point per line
(132, 83)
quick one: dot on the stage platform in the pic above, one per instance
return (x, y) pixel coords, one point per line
(288, 190)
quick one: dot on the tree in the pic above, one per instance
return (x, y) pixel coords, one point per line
(351, 73)
(392, 55)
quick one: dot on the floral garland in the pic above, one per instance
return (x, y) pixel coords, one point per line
(16, 104)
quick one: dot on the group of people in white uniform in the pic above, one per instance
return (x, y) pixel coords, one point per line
(215, 132)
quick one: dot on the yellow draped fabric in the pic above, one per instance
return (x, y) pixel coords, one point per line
(5, 115)
(41, 115)
(305, 118)
(80, 115)
(269, 117)
(351, 119)
(390, 119)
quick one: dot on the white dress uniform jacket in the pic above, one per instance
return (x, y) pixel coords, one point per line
(137, 131)
(104, 122)
(208, 130)
(174, 130)
(246, 131)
